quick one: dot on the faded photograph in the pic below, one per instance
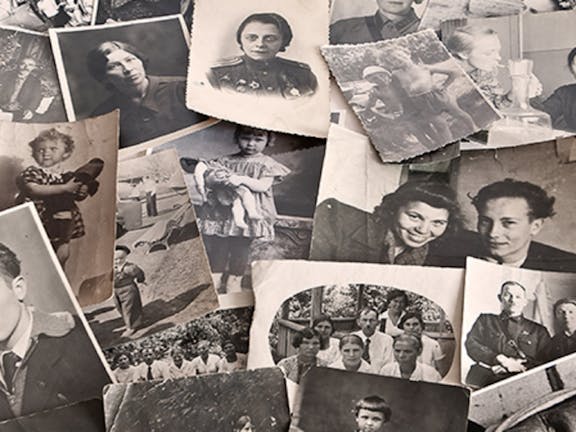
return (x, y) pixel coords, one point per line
(365, 403)
(506, 213)
(127, 66)
(363, 328)
(254, 193)
(178, 404)
(215, 343)
(40, 15)
(68, 171)
(409, 94)
(49, 355)
(29, 89)
(114, 11)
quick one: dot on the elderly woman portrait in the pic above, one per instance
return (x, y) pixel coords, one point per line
(259, 70)
(307, 344)
(406, 228)
(150, 106)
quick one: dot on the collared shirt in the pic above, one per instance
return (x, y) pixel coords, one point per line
(159, 371)
(211, 365)
(364, 366)
(239, 364)
(431, 351)
(422, 372)
(20, 347)
(381, 350)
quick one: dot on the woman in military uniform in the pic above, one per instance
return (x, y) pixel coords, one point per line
(259, 71)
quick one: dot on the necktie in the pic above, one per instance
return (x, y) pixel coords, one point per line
(149, 375)
(9, 366)
(366, 353)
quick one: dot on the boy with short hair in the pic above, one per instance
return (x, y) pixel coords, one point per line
(372, 413)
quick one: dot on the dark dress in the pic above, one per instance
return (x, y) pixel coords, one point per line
(561, 106)
(28, 97)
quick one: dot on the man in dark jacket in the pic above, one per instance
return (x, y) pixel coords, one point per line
(21, 91)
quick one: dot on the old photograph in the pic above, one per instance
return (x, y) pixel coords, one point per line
(115, 11)
(357, 317)
(198, 403)
(254, 192)
(29, 90)
(50, 357)
(161, 272)
(260, 66)
(413, 214)
(215, 343)
(68, 171)
(127, 66)
(515, 320)
(409, 94)
(364, 403)
(42, 15)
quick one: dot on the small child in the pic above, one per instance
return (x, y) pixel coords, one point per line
(54, 192)
(372, 413)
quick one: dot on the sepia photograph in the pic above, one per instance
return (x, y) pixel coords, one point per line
(254, 192)
(515, 320)
(68, 171)
(262, 64)
(365, 403)
(413, 214)
(29, 90)
(197, 403)
(109, 11)
(50, 357)
(409, 94)
(127, 66)
(41, 15)
(161, 272)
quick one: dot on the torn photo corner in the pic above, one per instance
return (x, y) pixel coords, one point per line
(410, 95)
(187, 403)
(48, 346)
(80, 175)
(282, 86)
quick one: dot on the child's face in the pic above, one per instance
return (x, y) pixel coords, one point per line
(50, 153)
(370, 421)
(485, 53)
(252, 143)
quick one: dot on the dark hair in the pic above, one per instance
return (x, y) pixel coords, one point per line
(366, 310)
(9, 263)
(540, 203)
(410, 315)
(396, 293)
(563, 301)
(123, 248)
(241, 422)
(305, 333)
(409, 338)
(249, 130)
(268, 18)
(351, 338)
(571, 56)
(374, 403)
(435, 194)
(97, 59)
(227, 342)
(52, 135)
(120, 354)
(322, 318)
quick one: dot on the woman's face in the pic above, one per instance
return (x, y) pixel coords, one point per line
(418, 223)
(124, 71)
(309, 347)
(397, 304)
(351, 353)
(405, 353)
(485, 53)
(324, 328)
(261, 42)
(248, 427)
(123, 362)
(412, 326)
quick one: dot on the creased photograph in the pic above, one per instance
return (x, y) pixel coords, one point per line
(41, 15)
(29, 89)
(130, 67)
(364, 403)
(254, 192)
(515, 320)
(198, 403)
(50, 357)
(161, 272)
(259, 64)
(110, 11)
(68, 170)
(507, 212)
(409, 94)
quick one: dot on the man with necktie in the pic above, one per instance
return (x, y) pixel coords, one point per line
(377, 345)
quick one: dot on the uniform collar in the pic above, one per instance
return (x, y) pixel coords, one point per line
(506, 317)
(260, 65)
(401, 25)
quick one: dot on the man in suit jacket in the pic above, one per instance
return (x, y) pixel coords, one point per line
(21, 91)
(46, 360)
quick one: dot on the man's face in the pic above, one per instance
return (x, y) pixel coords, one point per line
(11, 308)
(405, 353)
(566, 317)
(229, 349)
(369, 421)
(203, 348)
(395, 7)
(512, 300)
(507, 229)
(368, 321)
(148, 356)
(119, 258)
(27, 66)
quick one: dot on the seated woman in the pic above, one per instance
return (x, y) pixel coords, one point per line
(405, 228)
(307, 342)
(413, 324)
(351, 349)
(329, 346)
(564, 341)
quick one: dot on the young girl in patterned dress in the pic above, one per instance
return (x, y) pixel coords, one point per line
(227, 244)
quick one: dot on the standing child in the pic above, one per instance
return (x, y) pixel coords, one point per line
(227, 243)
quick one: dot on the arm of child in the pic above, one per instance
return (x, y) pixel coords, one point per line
(36, 190)
(199, 172)
(255, 185)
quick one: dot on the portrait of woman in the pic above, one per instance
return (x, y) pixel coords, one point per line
(397, 302)
(307, 344)
(259, 70)
(351, 349)
(329, 346)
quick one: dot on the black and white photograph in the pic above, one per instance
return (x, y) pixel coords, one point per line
(357, 317)
(259, 64)
(161, 272)
(109, 11)
(409, 94)
(254, 192)
(515, 320)
(41, 15)
(336, 400)
(215, 343)
(127, 66)
(87, 416)
(524, 69)
(68, 171)
(50, 357)
(244, 401)
(409, 214)
(29, 90)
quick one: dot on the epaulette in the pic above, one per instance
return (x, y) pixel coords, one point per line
(230, 61)
(293, 63)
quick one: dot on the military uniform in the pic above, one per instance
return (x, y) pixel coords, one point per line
(277, 77)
